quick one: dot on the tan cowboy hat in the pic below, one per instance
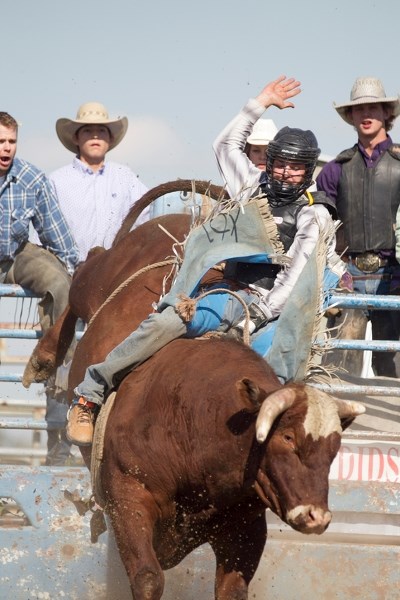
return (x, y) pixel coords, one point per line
(91, 113)
(367, 90)
(264, 131)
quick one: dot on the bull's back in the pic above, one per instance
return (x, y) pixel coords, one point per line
(101, 274)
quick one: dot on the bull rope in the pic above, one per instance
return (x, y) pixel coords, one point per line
(171, 261)
(124, 284)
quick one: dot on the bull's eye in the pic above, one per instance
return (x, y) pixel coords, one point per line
(289, 439)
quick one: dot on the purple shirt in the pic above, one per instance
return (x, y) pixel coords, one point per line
(328, 178)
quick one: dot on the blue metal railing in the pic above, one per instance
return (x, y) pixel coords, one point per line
(21, 423)
(22, 334)
(11, 290)
(367, 301)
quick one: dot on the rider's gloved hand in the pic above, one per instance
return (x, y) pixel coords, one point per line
(259, 316)
(345, 285)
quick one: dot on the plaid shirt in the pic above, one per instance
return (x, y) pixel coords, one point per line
(26, 197)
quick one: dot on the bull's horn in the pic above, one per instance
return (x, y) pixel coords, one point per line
(271, 408)
(348, 408)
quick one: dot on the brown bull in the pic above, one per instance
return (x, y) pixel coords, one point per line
(201, 440)
(182, 464)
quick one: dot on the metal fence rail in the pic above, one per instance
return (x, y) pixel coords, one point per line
(367, 301)
(12, 290)
(24, 447)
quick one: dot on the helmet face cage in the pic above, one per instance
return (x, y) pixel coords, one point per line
(295, 149)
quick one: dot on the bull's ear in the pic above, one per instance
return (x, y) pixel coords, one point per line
(348, 411)
(250, 394)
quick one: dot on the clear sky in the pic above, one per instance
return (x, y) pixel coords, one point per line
(180, 69)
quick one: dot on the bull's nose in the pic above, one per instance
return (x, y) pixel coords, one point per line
(319, 519)
(309, 519)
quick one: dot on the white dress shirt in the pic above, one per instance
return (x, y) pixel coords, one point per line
(95, 203)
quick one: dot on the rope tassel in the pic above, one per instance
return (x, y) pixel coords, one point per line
(186, 308)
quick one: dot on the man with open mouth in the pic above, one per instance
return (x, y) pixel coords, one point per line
(364, 181)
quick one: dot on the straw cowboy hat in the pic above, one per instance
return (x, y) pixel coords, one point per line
(91, 113)
(367, 90)
(264, 131)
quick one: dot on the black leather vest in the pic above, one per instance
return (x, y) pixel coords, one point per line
(285, 216)
(367, 201)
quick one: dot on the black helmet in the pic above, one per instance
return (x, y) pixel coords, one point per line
(292, 145)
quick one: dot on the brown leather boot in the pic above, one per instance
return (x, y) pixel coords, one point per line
(80, 426)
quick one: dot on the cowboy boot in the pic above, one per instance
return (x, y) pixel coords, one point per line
(81, 418)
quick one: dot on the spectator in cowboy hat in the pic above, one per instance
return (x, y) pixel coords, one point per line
(264, 131)
(94, 195)
(364, 181)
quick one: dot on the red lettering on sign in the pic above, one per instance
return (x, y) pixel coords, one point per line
(367, 463)
(393, 464)
(378, 463)
(345, 456)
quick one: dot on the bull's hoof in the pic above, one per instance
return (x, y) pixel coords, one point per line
(36, 372)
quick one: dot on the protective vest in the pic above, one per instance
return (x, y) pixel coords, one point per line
(285, 215)
(367, 201)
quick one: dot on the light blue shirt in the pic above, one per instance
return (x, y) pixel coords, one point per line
(95, 203)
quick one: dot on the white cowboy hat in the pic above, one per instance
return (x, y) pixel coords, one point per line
(91, 113)
(367, 90)
(264, 131)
